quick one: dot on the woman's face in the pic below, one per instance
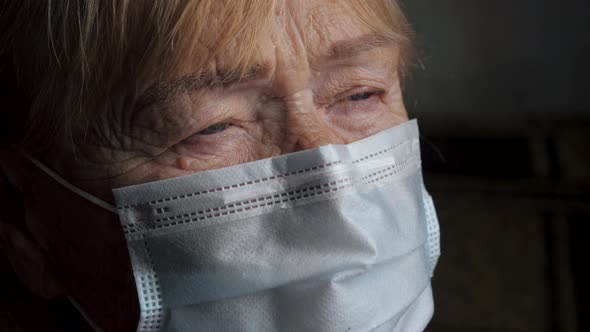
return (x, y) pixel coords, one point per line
(323, 77)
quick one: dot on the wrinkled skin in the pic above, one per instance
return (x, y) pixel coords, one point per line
(60, 244)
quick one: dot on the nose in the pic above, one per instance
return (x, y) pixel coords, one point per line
(305, 126)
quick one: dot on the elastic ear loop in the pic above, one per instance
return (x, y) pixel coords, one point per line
(89, 197)
(85, 315)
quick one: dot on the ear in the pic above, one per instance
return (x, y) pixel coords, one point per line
(30, 262)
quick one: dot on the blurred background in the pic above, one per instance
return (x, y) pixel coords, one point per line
(501, 91)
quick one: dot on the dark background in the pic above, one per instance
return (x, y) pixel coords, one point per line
(501, 92)
(502, 96)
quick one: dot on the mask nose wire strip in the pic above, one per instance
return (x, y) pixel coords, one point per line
(91, 198)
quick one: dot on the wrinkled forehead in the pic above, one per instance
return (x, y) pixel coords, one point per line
(241, 39)
(319, 25)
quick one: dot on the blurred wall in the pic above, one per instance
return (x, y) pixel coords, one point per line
(500, 64)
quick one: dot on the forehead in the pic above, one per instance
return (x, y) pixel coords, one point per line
(320, 24)
(314, 29)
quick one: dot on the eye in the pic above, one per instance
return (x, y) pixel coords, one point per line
(214, 129)
(360, 96)
(356, 102)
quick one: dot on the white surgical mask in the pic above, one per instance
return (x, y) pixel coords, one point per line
(340, 238)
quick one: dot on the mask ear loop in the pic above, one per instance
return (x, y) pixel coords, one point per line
(89, 197)
(84, 314)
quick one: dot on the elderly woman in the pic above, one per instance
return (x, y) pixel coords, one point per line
(207, 165)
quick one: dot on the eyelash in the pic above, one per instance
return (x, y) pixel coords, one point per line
(363, 96)
(214, 129)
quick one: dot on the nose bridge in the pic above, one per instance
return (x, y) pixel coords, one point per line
(305, 126)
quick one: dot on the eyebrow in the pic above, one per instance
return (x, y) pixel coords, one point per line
(205, 79)
(339, 50)
(353, 47)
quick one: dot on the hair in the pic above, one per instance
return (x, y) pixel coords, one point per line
(74, 60)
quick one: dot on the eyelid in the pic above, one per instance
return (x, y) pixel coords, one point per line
(356, 91)
(197, 142)
(221, 125)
